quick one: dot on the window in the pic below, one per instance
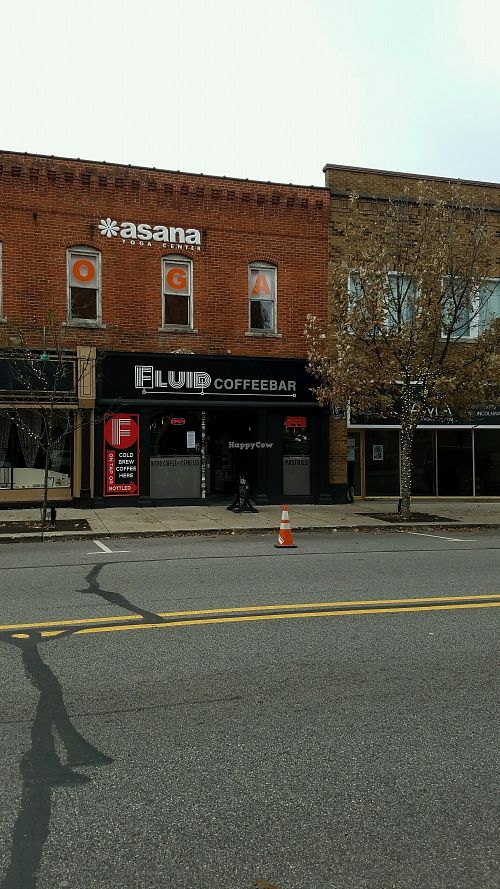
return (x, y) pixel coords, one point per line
(262, 297)
(177, 278)
(475, 312)
(23, 446)
(488, 302)
(84, 286)
(358, 305)
(457, 309)
(355, 288)
(400, 300)
(396, 304)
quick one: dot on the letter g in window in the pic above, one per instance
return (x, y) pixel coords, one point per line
(176, 278)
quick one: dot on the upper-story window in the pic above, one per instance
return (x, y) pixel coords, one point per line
(262, 297)
(84, 285)
(472, 314)
(458, 309)
(489, 302)
(177, 284)
(400, 300)
(390, 298)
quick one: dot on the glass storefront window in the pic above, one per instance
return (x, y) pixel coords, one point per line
(382, 462)
(444, 461)
(487, 458)
(23, 447)
(296, 444)
(169, 433)
(175, 455)
(454, 450)
(354, 462)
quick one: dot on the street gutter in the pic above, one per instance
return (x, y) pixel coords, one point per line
(392, 527)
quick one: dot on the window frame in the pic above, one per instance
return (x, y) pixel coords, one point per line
(480, 326)
(186, 261)
(475, 325)
(389, 322)
(84, 251)
(355, 290)
(256, 266)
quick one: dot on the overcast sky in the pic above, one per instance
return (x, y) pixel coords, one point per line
(264, 89)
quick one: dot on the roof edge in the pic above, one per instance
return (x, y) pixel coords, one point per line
(81, 160)
(400, 175)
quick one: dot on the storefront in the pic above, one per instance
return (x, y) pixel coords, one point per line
(182, 429)
(37, 410)
(450, 458)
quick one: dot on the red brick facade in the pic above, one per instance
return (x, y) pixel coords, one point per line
(50, 204)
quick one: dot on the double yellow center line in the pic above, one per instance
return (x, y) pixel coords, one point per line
(247, 613)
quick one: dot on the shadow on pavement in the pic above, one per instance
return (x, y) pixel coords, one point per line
(41, 768)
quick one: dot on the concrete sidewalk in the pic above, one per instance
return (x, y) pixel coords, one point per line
(178, 520)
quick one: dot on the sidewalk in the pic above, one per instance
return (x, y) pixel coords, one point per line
(178, 520)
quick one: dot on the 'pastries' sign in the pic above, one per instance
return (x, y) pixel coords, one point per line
(143, 233)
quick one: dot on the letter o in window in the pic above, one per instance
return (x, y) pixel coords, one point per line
(83, 270)
(176, 278)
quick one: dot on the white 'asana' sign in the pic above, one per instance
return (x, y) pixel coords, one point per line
(142, 231)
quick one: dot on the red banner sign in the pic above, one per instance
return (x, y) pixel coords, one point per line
(121, 455)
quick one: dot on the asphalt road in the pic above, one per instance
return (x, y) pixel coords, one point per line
(278, 736)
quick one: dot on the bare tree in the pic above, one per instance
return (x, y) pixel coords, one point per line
(45, 379)
(413, 313)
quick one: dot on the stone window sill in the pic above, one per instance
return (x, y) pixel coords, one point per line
(264, 334)
(86, 325)
(176, 330)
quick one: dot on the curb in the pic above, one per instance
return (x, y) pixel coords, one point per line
(393, 527)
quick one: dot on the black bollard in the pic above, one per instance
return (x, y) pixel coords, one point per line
(53, 516)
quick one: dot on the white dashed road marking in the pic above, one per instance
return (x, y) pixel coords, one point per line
(106, 549)
(439, 537)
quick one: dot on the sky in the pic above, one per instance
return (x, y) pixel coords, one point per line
(263, 89)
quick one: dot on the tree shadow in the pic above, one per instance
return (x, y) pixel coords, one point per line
(40, 767)
(94, 589)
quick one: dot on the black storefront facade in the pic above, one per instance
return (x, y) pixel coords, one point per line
(452, 456)
(182, 429)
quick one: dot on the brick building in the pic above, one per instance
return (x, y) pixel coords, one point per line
(192, 292)
(450, 457)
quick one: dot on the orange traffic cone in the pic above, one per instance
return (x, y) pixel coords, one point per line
(285, 537)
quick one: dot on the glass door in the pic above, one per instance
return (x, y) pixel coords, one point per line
(382, 462)
(454, 456)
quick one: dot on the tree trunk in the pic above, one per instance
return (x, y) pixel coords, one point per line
(407, 433)
(48, 445)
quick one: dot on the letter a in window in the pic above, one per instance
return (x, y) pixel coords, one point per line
(261, 286)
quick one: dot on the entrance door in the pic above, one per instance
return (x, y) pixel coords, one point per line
(382, 462)
(454, 447)
(424, 463)
(230, 435)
